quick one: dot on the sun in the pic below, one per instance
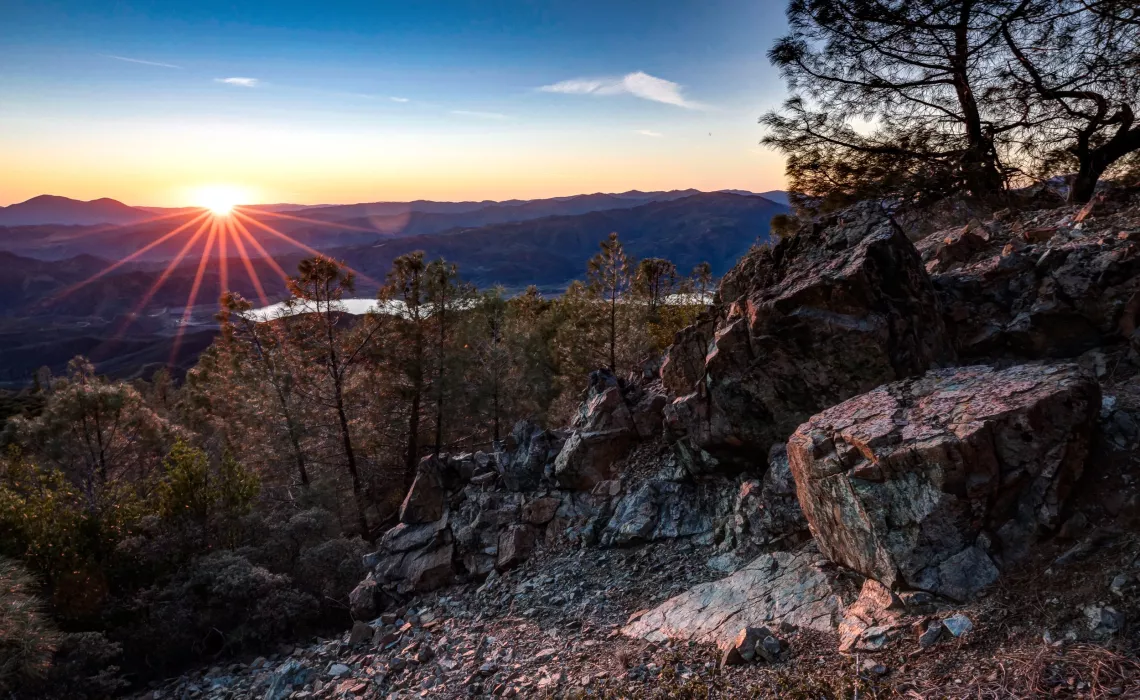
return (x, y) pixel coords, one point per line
(220, 199)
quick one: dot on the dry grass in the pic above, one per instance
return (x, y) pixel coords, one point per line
(1078, 670)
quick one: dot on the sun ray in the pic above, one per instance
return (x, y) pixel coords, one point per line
(134, 312)
(223, 262)
(103, 228)
(302, 246)
(254, 278)
(187, 311)
(247, 211)
(114, 266)
(261, 250)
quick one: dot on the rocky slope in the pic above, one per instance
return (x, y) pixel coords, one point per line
(817, 497)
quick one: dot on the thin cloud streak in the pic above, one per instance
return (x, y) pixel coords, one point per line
(647, 132)
(399, 99)
(638, 84)
(239, 82)
(478, 115)
(140, 61)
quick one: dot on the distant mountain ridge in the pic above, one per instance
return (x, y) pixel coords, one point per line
(323, 227)
(52, 209)
(713, 227)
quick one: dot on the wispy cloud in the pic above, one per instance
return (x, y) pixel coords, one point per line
(647, 132)
(398, 99)
(478, 115)
(140, 61)
(638, 84)
(240, 82)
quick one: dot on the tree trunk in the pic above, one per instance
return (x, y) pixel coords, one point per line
(439, 376)
(412, 457)
(979, 164)
(350, 461)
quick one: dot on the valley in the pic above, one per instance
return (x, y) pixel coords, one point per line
(117, 292)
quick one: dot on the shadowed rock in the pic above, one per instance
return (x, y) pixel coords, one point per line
(827, 314)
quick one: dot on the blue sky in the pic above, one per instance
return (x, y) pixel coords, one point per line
(333, 101)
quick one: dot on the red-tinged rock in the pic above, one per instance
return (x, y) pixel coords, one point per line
(960, 454)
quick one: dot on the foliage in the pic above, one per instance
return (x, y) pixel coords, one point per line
(919, 100)
(28, 637)
(207, 501)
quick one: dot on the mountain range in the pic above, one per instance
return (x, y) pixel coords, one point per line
(126, 317)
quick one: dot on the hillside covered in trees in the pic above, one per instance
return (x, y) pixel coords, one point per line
(894, 452)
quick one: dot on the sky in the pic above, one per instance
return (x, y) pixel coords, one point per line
(157, 102)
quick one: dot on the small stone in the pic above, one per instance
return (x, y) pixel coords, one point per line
(874, 668)
(1104, 621)
(361, 632)
(958, 625)
(338, 670)
(930, 636)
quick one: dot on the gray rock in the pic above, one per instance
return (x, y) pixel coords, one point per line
(289, 676)
(534, 448)
(958, 625)
(930, 636)
(665, 510)
(1103, 620)
(801, 590)
(834, 311)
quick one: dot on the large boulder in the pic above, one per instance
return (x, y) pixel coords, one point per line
(589, 458)
(830, 313)
(604, 406)
(931, 483)
(800, 589)
(426, 499)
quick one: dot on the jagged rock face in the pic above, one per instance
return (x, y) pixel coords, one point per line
(534, 448)
(661, 509)
(1050, 298)
(684, 365)
(767, 511)
(926, 482)
(800, 589)
(426, 498)
(827, 314)
(589, 458)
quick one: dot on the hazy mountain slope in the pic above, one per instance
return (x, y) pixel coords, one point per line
(715, 227)
(487, 212)
(50, 209)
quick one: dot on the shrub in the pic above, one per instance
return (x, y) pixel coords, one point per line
(218, 602)
(27, 636)
(331, 569)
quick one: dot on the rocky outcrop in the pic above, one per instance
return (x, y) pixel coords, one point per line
(1050, 285)
(531, 451)
(932, 483)
(659, 509)
(832, 312)
(801, 590)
